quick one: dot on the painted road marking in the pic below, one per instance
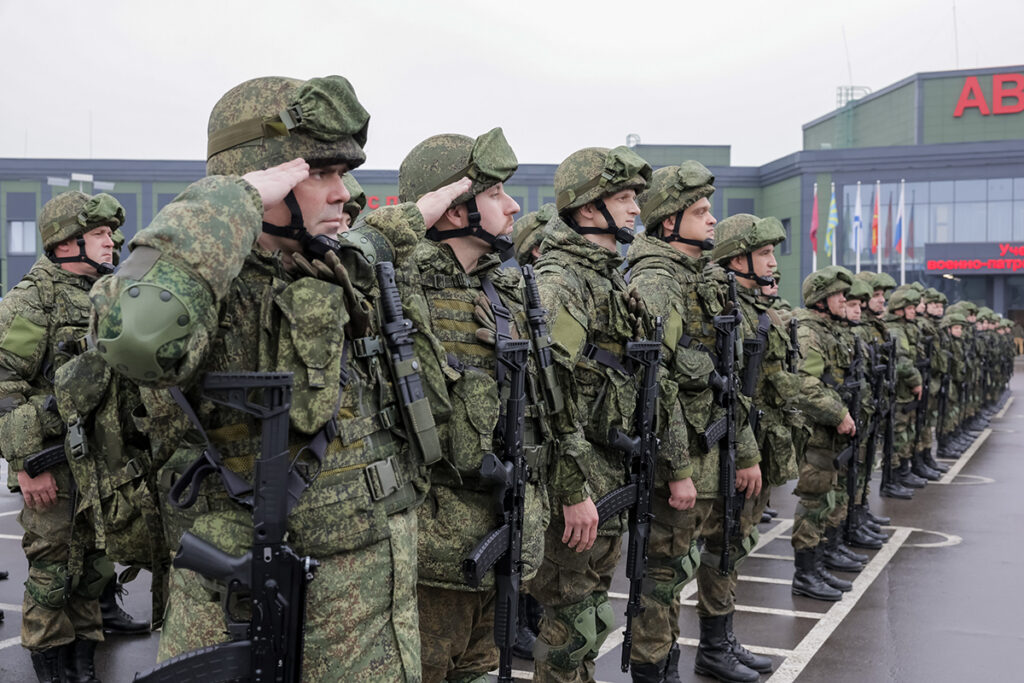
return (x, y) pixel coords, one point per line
(1006, 406)
(964, 459)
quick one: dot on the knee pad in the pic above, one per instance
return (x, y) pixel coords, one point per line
(683, 569)
(737, 552)
(97, 572)
(605, 622)
(581, 623)
(48, 585)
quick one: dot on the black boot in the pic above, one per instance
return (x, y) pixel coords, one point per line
(849, 552)
(715, 656)
(880, 520)
(908, 478)
(835, 558)
(644, 672)
(746, 657)
(834, 581)
(860, 537)
(772, 511)
(79, 663)
(115, 620)
(672, 669)
(526, 632)
(49, 664)
(806, 580)
(930, 460)
(922, 470)
(3, 574)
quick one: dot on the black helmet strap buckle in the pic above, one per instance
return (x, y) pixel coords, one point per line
(622, 235)
(82, 257)
(762, 280)
(501, 244)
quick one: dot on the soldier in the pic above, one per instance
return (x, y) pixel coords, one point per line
(471, 301)
(668, 264)
(220, 280)
(355, 204)
(902, 308)
(593, 316)
(528, 233)
(826, 358)
(44, 321)
(952, 328)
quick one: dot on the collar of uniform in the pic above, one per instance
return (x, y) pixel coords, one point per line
(58, 274)
(563, 238)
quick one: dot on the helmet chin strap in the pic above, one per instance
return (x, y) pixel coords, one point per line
(674, 236)
(313, 246)
(623, 235)
(762, 280)
(500, 244)
(823, 308)
(101, 268)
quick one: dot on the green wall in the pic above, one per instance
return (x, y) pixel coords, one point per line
(940, 99)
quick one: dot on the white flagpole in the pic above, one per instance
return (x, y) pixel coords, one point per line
(903, 237)
(835, 230)
(814, 250)
(856, 231)
(878, 205)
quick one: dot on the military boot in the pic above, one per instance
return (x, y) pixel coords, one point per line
(806, 580)
(79, 663)
(115, 620)
(826, 576)
(3, 574)
(772, 511)
(908, 478)
(672, 670)
(930, 460)
(836, 559)
(881, 520)
(747, 658)
(715, 656)
(894, 489)
(922, 470)
(49, 664)
(645, 672)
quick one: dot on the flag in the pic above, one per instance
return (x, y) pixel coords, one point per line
(833, 222)
(814, 221)
(897, 235)
(910, 229)
(874, 226)
(856, 223)
(888, 225)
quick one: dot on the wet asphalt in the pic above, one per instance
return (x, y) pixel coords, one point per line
(939, 602)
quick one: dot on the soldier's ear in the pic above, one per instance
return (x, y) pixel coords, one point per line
(668, 224)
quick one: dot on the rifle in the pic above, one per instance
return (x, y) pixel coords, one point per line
(727, 335)
(925, 365)
(793, 353)
(267, 647)
(853, 389)
(889, 437)
(502, 548)
(879, 375)
(537, 317)
(44, 460)
(397, 331)
(753, 354)
(943, 408)
(641, 455)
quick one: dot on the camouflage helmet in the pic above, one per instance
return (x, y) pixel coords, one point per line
(902, 297)
(966, 307)
(876, 281)
(954, 318)
(987, 314)
(825, 282)
(860, 290)
(595, 172)
(934, 296)
(744, 233)
(74, 213)
(529, 231)
(442, 159)
(919, 286)
(268, 121)
(357, 197)
(674, 189)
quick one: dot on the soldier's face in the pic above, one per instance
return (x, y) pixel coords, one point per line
(99, 244)
(770, 290)
(853, 310)
(697, 222)
(877, 301)
(497, 210)
(764, 260)
(934, 309)
(321, 199)
(836, 304)
(910, 312)
(623, 208)
(956, 330)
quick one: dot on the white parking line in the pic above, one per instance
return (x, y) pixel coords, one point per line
(963, 460)
(10, 642)
(1006, 406)
(8, 607)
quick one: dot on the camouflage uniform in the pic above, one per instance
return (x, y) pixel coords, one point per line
(529, 231)
(456, 620)
(44, 319)
(586, 296)
(908, 376)
(222, 303)
(954, 349)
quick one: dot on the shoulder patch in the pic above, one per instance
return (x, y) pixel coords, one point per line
(23, 337)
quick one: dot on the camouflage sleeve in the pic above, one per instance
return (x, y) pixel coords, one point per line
(402, 225)
(906, 372)
(674, 447)
(820, 402)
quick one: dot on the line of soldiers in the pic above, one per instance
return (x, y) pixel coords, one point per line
(450, 411)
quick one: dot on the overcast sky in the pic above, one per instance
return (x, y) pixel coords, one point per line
(136, 79)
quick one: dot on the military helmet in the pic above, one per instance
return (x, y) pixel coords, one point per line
(825, 282)
(860, 290)
(934, 296)
(674, 189)
(919, 286)
(529, 231)
(968, 307)
(268, 121)
(744, 233)
(74, 213)
(442, 159)
(595, 172)
(876, 281)
(954, 318)
(987, 314)
(902, 297)
(357, 197)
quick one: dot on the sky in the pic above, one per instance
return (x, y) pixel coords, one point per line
(137, 79)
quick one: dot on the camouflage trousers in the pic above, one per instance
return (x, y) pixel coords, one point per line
(815, 488)
(361, 617)
(842, 498)
(47, 542)
(457, 633)
(904, 429)
(573, 588)
(716, 593)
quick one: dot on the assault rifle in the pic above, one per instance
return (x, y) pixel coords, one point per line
(925, 366)
(641, 455)
(502, 548)
(889, 436)
(537, 317)
(50, 457)
(793, 353)
(268, 646)
(852, 389)
(943, 405)
(878, 371)
(727, 328)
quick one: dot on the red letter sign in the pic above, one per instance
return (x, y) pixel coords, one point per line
(971, 96)
(1001, 89)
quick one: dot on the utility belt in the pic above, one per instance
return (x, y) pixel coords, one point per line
(610, 356)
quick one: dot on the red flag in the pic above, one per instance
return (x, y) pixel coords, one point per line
(910, 232)
(814, 220)
(888, 223)
(874, 227)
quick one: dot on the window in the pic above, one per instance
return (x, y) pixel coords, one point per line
(787, 246)
(22, 237)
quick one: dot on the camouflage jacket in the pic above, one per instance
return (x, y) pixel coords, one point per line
(826, 358)
(907, 375)
(675, 287)
(459, 509)
(248, 314)
(44, 319)
(583, 289)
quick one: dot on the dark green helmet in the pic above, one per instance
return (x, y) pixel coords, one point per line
(593, 173)
(876, 281)
(75, 213)
(268, 121)
(529, 231)
(442, 159)
(954, 318)
(903, 296)
(357, 197)
(860, 290)
(674, 189)
(743, 234)
(934, 296)
(825, 282)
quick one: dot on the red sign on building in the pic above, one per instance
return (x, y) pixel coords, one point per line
(1007, 96)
